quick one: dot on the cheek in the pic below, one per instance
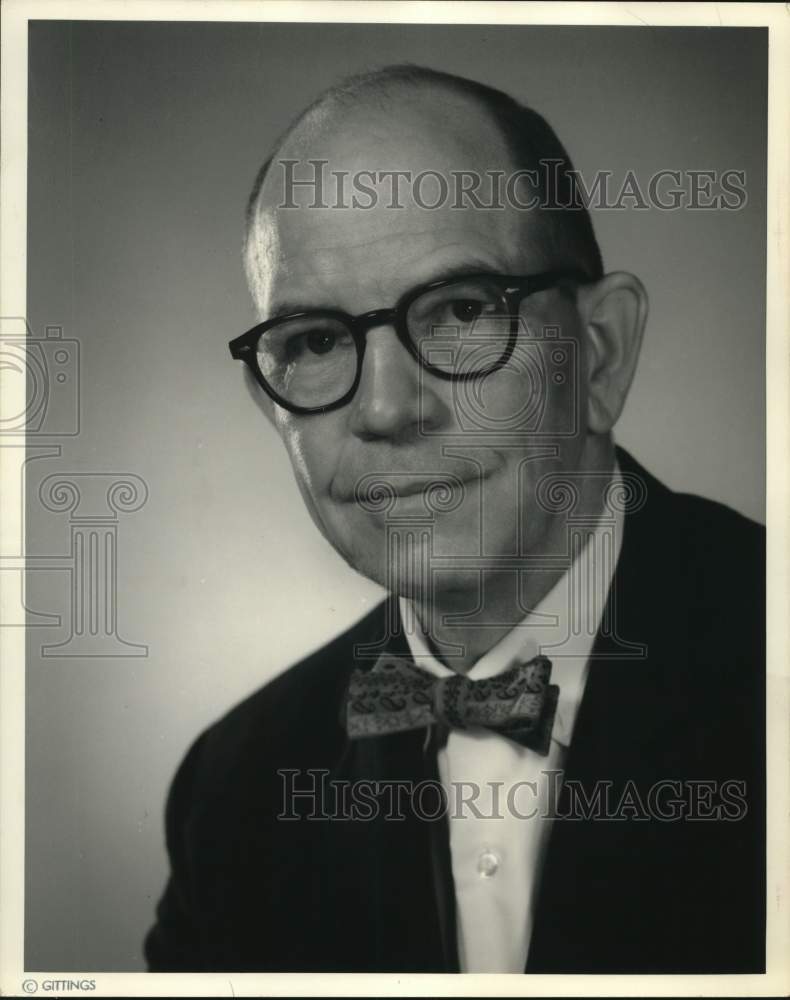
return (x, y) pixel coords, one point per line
(313, 447)
(539, 392)
(543, 388)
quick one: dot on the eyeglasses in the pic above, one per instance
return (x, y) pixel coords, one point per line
(458, 329)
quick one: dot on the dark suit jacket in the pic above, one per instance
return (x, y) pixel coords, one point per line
(251, 892)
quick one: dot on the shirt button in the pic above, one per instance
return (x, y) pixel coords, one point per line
(488, 864)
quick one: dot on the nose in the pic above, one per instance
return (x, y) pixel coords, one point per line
(394, 397)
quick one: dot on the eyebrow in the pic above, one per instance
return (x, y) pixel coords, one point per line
(288, 307)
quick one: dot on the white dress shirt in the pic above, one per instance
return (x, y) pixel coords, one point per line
(497, 789)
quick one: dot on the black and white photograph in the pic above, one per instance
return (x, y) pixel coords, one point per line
(394, 546)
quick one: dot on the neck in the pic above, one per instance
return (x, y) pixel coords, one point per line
(492, 605)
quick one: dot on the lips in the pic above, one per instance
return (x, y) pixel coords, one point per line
(373, 486)
(404, 487)
(382, 492)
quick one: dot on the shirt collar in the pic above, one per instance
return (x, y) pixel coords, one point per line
(549, 629)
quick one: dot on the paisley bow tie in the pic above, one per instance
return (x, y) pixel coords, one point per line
(395, 695)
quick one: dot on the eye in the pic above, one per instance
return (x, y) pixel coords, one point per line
(320, 341)
(466, 310)
(313, 343)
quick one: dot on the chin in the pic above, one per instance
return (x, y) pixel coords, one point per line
(410, 558)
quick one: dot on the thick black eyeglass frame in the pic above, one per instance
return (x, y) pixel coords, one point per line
(515, 288)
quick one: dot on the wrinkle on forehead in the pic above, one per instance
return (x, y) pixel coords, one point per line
(384, 266)
(387, 262)
(320, 252)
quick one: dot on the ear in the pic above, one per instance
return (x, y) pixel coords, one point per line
(614, 313)
(264, 403)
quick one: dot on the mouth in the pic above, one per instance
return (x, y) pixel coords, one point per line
(441, 480)
(434, 492)
(417, 487)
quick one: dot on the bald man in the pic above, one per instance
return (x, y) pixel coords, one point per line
(544, 751)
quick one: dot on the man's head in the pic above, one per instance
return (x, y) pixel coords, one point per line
(487, 441)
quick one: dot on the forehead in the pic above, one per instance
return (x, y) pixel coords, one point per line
(383, 205)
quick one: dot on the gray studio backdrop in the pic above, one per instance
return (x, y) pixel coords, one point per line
(200, 577)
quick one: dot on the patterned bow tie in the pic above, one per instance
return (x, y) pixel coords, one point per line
(395, 695)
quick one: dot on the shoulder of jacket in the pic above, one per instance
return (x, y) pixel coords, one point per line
(303, 699)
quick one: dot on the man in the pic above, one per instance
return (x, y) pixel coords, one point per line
(570, 660)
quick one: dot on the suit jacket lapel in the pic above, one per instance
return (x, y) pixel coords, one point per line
(632, 709)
